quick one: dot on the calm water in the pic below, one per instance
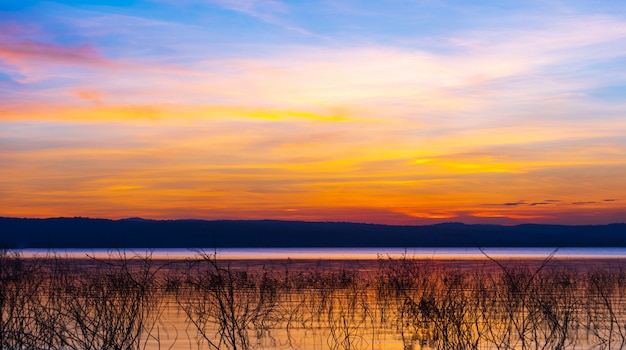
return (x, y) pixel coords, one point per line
(376, 298)
(352, 253)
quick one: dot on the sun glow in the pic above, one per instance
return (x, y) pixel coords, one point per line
(245, 117)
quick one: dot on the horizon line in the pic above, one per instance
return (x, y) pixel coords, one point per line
(312, 222)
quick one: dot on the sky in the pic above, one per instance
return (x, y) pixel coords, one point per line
(393, 112)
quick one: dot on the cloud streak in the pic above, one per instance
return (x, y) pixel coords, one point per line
(118, 110)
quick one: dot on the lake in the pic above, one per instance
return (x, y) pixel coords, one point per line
(314, 299)
(354, 253)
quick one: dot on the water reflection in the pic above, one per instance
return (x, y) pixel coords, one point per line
(351, 253)
(125, 301)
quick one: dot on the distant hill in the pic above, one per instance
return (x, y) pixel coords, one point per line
(140, 233)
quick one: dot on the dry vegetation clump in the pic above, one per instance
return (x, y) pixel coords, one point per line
(55, 303)
(20, 282)
(224, 305)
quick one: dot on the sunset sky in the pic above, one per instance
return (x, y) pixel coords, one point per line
(397, 112)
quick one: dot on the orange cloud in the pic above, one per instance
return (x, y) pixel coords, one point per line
(370, 134)
(19, 52)
(89, 95)
(176, 113)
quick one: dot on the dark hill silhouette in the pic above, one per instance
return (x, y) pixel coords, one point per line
(142, 233)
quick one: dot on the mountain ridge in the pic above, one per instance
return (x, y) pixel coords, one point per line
(81, 232)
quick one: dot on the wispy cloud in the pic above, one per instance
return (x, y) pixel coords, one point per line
(400, 83)
(508, 204)
(220, 113)
(265, 10)
(17, 52)
(272, 12)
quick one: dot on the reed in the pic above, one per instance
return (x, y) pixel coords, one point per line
(20, 283)
(224, 305)
(119, 302)
(115, 304)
